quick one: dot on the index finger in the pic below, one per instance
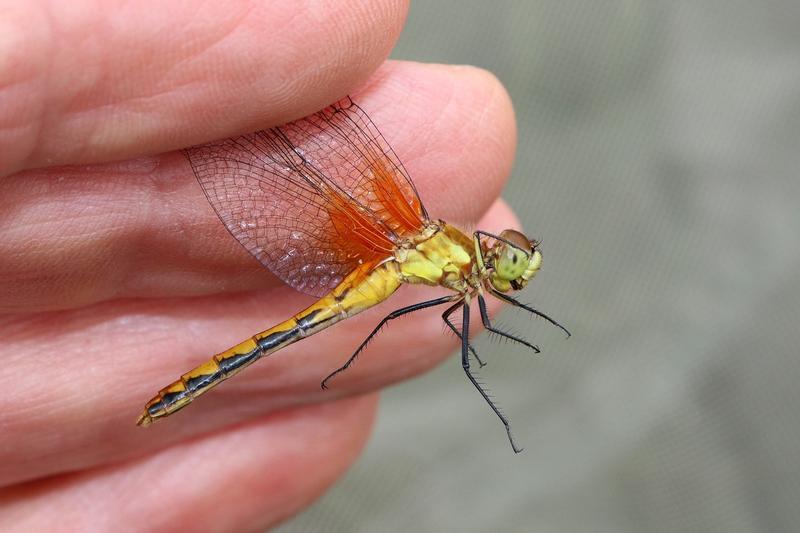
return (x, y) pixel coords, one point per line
(100, 81)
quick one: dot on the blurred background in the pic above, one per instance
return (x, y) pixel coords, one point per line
(659, 148)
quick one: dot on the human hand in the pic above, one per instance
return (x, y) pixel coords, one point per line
(118, 277)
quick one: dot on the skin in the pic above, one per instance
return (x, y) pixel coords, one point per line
(117, 277)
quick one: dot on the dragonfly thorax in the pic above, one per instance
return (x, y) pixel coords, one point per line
(441, 256)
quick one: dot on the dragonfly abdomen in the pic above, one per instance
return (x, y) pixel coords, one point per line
(365, 287)
(200, 379)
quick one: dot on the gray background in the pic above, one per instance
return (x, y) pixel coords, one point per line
(659, 147)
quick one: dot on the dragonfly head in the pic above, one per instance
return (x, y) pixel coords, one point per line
(512, 260)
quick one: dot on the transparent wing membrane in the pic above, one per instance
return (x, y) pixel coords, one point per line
(312, 199)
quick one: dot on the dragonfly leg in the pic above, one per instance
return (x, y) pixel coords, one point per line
(465, 350)
(517, 303)
(488, 325)
(394, 314)
(454, 329)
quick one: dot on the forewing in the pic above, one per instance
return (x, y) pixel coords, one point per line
(344, 143)
(282, 212)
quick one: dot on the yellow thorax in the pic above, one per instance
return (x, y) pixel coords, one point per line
(442, 256)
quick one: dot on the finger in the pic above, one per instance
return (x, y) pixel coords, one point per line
(77, 380)
(76, 235)
(246, 478)
(101, 81)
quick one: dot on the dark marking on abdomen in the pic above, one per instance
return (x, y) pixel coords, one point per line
(273, 340)
(234, 362)
(341, 297)
(167, 401)
(198, 383)
(307, 322)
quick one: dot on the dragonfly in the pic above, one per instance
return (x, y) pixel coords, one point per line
(326, 205)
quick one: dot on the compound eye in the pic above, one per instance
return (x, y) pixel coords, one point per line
(511, 263)
(516, 238)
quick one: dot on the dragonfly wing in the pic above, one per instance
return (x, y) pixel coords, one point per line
(344, 143)
(311, 200)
